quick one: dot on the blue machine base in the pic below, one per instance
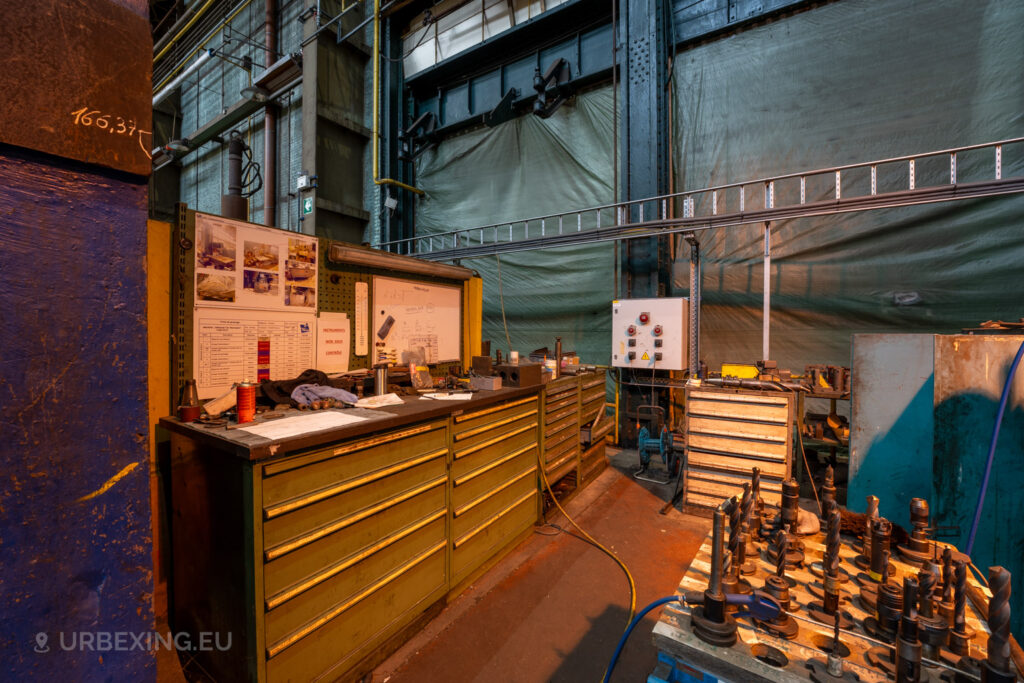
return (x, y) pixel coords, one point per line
(671, 670)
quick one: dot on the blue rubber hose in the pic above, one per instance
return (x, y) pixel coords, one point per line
(629, 629)
(992, 449)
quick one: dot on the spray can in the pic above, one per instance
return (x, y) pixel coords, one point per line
(246, 399)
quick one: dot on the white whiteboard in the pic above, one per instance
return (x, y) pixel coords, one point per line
(425, 320)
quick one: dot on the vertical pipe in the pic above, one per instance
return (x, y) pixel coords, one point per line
(766, 322)
(270, 124)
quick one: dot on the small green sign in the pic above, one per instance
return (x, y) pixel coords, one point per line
(307, 206)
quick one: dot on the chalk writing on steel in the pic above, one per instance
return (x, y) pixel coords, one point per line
(97, 119)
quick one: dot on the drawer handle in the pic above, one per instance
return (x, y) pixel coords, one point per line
(321, 494)
(491, 425)
(335, 569)
(490, 466)
(292, 463)
(479, 499)
(488, 411)
(299, 634)
(490, 442)
(495, 517)
(285, 548)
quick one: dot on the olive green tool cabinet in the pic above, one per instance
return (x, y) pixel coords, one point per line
(321, 553)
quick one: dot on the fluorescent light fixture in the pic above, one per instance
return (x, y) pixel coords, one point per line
(350, 254)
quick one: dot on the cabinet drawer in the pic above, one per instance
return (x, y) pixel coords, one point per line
(556, 442)
(560, 385)
(559, 403)
(362, 626)
(471, 516)
(559, 415)
(301, 480)
(499, 444)
(469, 422)
(287, 532)
(557, 452)
(332, 600)
(593, 394)
(474, 548)
(521, 421)
(591, 380)
(474, 483)
(363, 532)
(555, 429)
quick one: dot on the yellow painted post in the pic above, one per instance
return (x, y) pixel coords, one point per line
(158, 326)
(472, 319)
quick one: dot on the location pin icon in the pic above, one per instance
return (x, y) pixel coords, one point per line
(41, 639)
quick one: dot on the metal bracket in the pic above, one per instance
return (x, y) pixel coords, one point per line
(418, 137)
(552, 89)
(504, 111)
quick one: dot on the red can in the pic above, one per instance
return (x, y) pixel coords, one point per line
(246, 398)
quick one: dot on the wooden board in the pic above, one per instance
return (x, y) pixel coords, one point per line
(730, 432)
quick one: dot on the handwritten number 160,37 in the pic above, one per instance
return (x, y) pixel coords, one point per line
(87, 117)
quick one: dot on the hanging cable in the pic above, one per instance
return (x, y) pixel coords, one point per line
(992, 449)
(501, 298)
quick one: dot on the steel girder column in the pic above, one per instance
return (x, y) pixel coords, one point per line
(644, 134)
(396, 223)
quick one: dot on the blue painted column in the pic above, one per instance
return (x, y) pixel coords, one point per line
(75, 539)
(644, 133)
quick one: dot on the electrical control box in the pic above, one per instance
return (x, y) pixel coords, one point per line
(651, 334)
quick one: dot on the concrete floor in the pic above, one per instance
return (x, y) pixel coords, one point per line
(554, 608)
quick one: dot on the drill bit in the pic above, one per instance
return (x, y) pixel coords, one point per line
(960, 598)
(926, 580)
(828, 491)
(735, 516)
(830, 563)
(782, 547)
(947, 574)
(748, 504)
(999, 619)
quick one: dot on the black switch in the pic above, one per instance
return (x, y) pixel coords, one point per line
(657, 355)
(657, 343)
(631, 342)
(632, 355)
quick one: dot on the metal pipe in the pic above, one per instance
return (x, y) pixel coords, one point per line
(195, 17)
(377, 180)
(270, 124)
(766, 320)
(170, 87)
(202, 44)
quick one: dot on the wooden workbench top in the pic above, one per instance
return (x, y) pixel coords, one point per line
(250, 446)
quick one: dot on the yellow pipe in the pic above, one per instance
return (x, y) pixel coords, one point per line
(199, 47)
(185, 28)
(377, 180)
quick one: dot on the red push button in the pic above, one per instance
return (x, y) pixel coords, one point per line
(631, 330)
(645, 318)
(657, 330)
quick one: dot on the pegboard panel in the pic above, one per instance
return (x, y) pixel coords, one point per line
(337, 295)
(182, 295)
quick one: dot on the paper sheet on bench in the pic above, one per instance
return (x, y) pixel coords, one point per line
(301, 424)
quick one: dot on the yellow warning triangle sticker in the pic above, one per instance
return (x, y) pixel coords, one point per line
(645, 356)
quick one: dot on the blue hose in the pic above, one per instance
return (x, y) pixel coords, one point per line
(629, 629)
(992, 449)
